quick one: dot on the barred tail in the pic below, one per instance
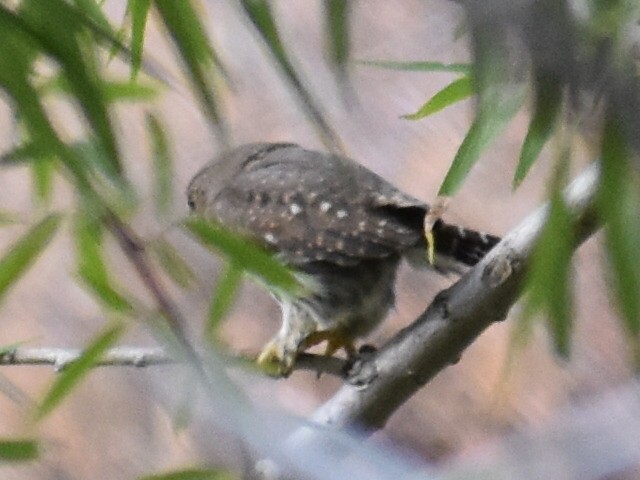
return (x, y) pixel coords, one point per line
(461, 244)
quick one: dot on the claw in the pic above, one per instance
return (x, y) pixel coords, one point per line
(275, 361)
(335, 341)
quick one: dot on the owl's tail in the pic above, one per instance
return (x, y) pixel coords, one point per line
(461, 244)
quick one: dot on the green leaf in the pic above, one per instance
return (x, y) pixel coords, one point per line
(18, 450)
(337, 13)
(43, 171)
(259, 12)
(619, 206)
(499, 99)
(549, 278)
(547, 106)
(172, 263)
(114, 90)
(23, 153)
(139, 92)
(93, 11)
(463, 68)
(139, 10)
(58, 30)
(15, 78)
(189, 36)
(194, 474)
(481, 133)
(244, 254)
(225, 293)
(10, 218)
(162, 166)
(24, 252)
(500, 95)
(454, 92)
(78, 369)
(91, 266)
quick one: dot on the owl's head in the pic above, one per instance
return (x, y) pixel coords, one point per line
(208, 182)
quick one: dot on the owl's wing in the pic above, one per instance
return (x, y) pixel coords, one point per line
(324, 208)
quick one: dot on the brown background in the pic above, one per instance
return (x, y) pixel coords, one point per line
(112, 427)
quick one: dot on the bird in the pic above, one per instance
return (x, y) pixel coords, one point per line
(339, 226)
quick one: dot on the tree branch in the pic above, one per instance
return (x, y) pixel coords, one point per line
(379, 384)
(59, 358)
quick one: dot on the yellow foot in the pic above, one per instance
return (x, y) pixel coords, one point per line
(274, 361)
(335, 341)
(277, 360)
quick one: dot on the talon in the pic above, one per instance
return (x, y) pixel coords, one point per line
(335, 341)
(274, 361)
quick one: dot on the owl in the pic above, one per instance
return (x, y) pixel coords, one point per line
(340, 227)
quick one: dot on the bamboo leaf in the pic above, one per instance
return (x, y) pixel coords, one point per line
(190, 38)
(25, 251)
(489, 122)
(15, 71)
(193, 474)
(463, 68)
(91, 266)
(162, 166)
(259, 12)
(57, 30)
(43, 171)
(23, 153)
(499, 99)
(549, 279)
(456, 91)
(133, 92)
(337, 14)
(78, 369)
(224, 294)
(18, 450)
(173, 264)
(93, 11)
(10, 218)
(139, 10)
(619, 205)
(547, 106)
(243, 253)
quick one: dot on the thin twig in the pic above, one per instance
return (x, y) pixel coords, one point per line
(139, 357)
(59, 358)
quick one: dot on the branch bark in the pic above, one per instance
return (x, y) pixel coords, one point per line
(131, 356)
(381, 383)
(59, 358)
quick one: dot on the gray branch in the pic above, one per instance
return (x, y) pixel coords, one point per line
(379, 384)
(59, 358)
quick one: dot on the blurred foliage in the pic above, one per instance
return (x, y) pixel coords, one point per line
(75, 371)
(18, 450)
(193, 474)
(575, 61)
(571, 65)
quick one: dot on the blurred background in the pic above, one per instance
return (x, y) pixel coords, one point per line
(115, 426)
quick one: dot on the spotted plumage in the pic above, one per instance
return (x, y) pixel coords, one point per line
(341, 226)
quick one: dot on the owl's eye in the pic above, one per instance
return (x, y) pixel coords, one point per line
(192, 203)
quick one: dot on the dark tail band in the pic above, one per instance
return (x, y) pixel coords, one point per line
(461, 244)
